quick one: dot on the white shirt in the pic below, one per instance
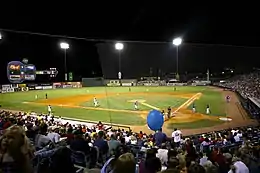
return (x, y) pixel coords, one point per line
(41, 141)
(234, 131)
(240, 135)
(237, 138)
(203, 160)
(162, 154)
(110, 133)
(54, 137)
(176, 135)
(49, 108)
(127, 139)
(240, 168)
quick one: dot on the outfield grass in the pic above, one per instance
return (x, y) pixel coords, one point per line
(194, 125)
(214, 99)
(15, 101)
(122, 102)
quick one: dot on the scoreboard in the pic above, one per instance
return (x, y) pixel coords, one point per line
(18, 72)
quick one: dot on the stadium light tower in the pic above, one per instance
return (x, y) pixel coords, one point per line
(177, 42)
(65, 46)
(119, 47)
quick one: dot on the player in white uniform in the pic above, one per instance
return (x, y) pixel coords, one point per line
(207, 110)
(136, 105)
(49, 109)
(95, 102)
(193, 108)
(36, 97)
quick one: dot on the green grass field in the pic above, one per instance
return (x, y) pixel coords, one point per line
(120, 101)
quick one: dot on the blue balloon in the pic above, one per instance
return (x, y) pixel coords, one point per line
(155, 120)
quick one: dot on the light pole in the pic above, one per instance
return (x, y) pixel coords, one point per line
(177, 42)
(1, 36)
(65, 46)
(119, 47)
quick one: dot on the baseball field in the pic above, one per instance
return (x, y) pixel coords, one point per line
(116, 105)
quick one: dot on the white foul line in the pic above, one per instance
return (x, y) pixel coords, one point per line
(188, 102)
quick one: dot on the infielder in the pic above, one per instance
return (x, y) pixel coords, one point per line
(193, 108)
(95, 102)
(169, 112)
(136, 105)
(207, 109)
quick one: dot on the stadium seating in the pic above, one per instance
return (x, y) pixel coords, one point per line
(241, 144)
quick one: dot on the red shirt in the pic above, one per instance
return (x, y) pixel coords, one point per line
(7, 124)
(100, 126)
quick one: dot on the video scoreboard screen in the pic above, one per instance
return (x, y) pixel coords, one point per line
(17, 72)
(29, 72)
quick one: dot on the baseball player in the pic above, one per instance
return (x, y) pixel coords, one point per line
(207, 109)
(163, 112)
(169, 112)
(228, 99)
(36, 97)
(95, 102)
(49, 109)
(136, 105)
(193, 108)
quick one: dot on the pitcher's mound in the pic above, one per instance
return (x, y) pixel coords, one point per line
(140, 101)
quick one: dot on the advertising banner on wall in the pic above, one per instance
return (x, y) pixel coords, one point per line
(126, 84)
(38, 87)
(47, 87)
(151, 84)
(21, 85)
(6, 86)
(57, 85)
(31, 86)
(46, 84)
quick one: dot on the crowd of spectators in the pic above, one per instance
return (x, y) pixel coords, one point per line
(248, 85)
(45, 144)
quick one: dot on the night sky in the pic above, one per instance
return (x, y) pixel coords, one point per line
(205, 29)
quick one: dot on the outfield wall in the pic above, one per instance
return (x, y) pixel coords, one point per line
(8, 88)
(116, 82)
(93, 82)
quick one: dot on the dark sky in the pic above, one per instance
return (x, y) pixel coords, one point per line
(200, 25)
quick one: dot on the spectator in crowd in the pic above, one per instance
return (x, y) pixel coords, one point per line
(101, 144)
(220, 152)
(151, 164)
(79, 143)
(113, 144)
(125, 163)
(160, 137)
(162, 154)
(176, 135)
(53, 134)
(16, 151)
(41, 140)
